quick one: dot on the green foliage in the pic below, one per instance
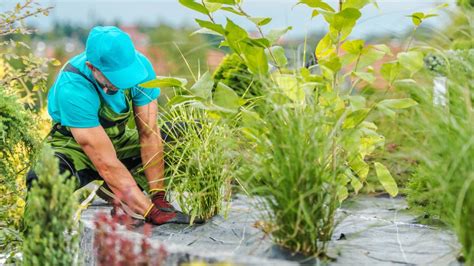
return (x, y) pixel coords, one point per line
(50, 236)
(20, 70)
(466, 3)
(17, 138)
(307, 140)
(234, 73)
(443, 184)
(200, 162)
(296, 171)
(17, 143)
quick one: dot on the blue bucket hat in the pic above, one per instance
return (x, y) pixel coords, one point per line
(111, 50)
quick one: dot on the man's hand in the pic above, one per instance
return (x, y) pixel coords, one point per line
(155, 215)
(100, 150)
(159, 199)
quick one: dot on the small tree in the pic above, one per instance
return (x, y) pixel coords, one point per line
(49, 217)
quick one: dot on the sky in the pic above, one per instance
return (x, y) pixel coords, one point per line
(390, 18)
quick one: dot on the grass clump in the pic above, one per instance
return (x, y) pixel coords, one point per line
(290, 168)
(200, 161)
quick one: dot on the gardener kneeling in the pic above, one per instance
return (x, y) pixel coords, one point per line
(95, 95)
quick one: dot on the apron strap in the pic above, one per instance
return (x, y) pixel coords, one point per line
(73, 69)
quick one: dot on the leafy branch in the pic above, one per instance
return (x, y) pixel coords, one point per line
(12, 22)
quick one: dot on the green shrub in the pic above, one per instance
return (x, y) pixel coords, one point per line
(234, 73)
(17, 142)
(50, 236)
(443, 184)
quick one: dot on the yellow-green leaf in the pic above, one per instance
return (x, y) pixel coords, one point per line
(398, 103)
(360, 167)
(162, 82)
(412, 61)
(386, 179)
(260, 21)
(355, 118)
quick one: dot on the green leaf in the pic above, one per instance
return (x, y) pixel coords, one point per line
(211, 6)
(256, 60)
(232, 10)
(260, 21)
(275, 34)
(417, 18)
(398, 103)
(360, 167)
(366, 76)
(412, 61)
(235, 35)
(325, 47)
(355, 118)
(353, 46)
(342, 193)
(226, 97)
(345, 19)
(357, 4)
(390, 71)
(279, 54)
(386, 111)
(249, 118)
(331, 62)
(290, 87)
(260, 42)
(357, 101)
(205, 31)
(316, 4)
(384, 48)
(369, 56)
(203, 87)
(179, 99)
(194, 6)
(355, 183)
(386, 179)
(162, 82)
(225, 2)
(209, 25)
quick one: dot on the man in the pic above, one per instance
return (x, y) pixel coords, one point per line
(91, 102)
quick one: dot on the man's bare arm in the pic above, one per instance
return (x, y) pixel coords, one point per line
(98, 147)
(151, 144)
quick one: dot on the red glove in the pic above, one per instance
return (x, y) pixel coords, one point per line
(159, 199)
(159, 217)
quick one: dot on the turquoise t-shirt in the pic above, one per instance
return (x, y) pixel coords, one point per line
(74, 102)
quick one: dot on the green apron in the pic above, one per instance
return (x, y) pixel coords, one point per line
(124, 140)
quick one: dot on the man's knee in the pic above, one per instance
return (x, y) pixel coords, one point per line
(30, 178)
(65, 166)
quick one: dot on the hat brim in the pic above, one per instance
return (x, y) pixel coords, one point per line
(128, 77)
